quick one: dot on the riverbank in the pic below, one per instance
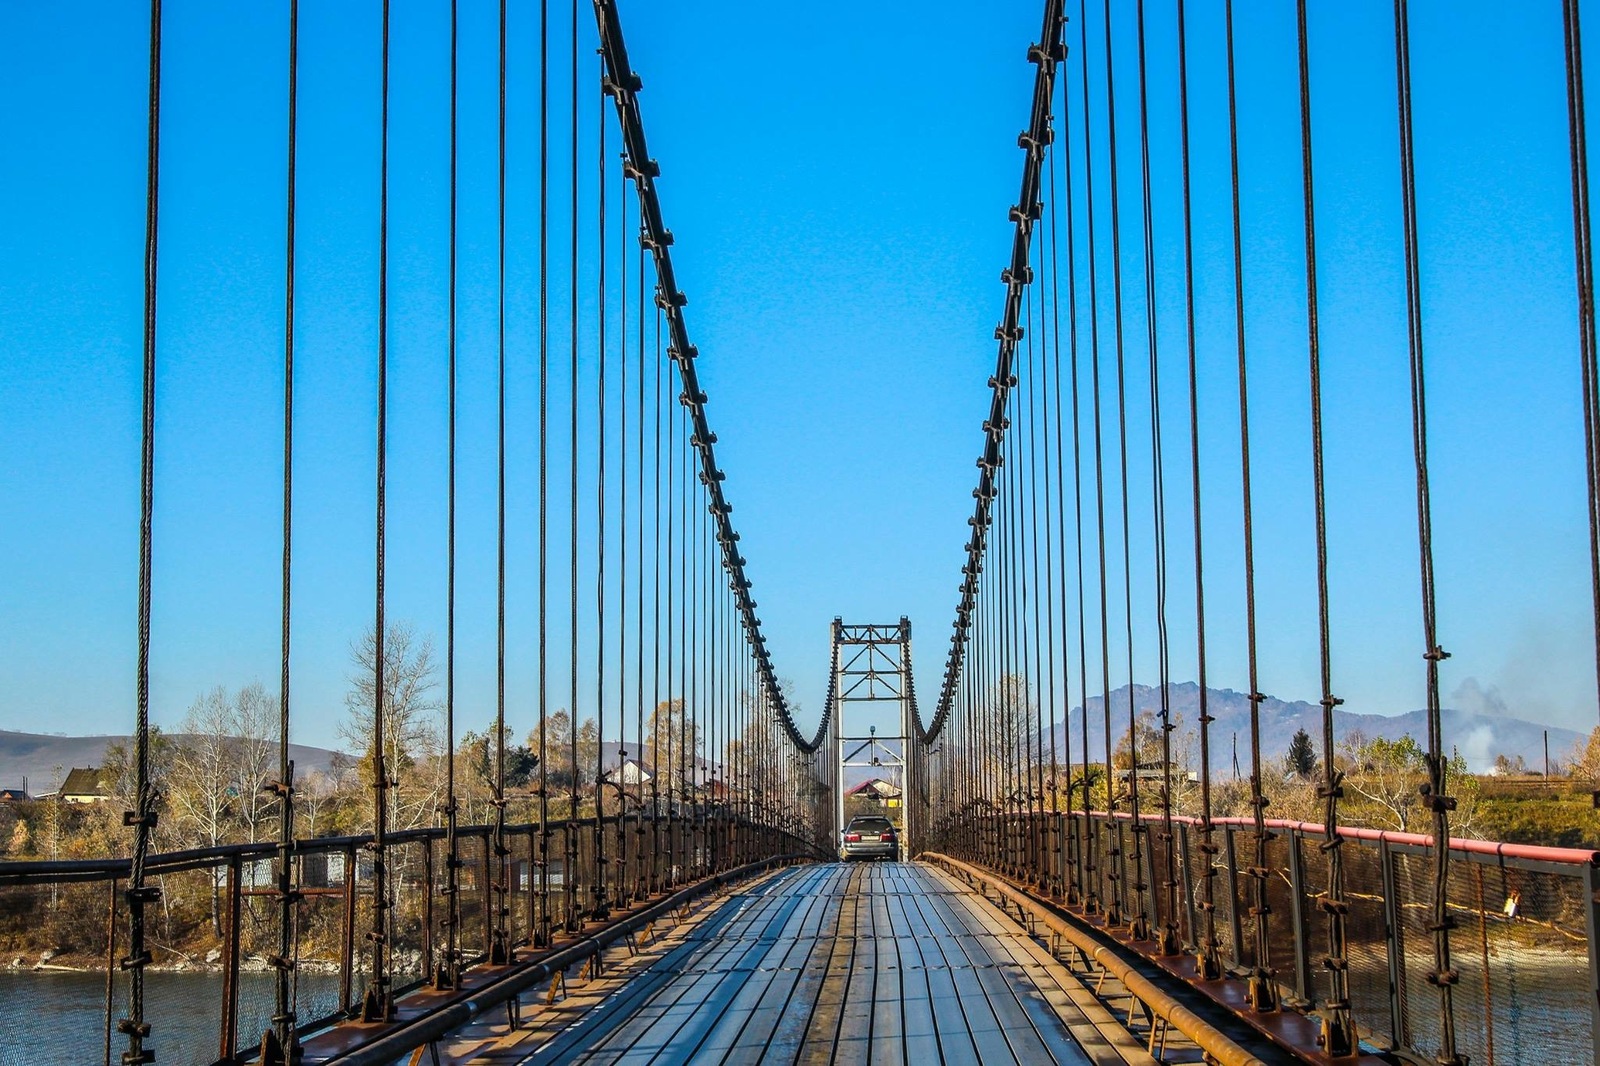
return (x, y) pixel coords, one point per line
(211, 963)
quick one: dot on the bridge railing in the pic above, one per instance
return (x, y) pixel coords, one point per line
(1526, 935)
(218, 913)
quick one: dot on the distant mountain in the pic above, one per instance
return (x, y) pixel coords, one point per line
(1479, 737)
(35, 756)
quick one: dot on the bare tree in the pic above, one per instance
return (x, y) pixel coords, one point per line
(202, 786)
(255, 727)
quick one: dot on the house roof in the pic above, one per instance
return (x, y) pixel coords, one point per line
(84, 781)
(632, 772)
(876, 786)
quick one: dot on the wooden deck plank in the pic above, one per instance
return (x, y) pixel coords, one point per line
(892, 963)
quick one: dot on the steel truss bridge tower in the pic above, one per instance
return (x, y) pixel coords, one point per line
(872, 665)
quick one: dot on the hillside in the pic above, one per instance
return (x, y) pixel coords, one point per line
(35, 756)
(1479, 737)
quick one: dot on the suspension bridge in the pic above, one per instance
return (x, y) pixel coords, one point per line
(664, 885)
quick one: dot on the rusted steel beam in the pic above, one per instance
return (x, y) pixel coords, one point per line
(1213, 1041)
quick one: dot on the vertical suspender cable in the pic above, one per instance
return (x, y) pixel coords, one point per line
(1208, 963)
(685, 611)
(541, 936)
(641, 886)
(598, 909)
(691, 659)
(1169, 934)
(657, 715)
(1142, 928)
(1036, 784)
(1092, 900)
(1333, 902)
(499, 953)
(673, 706)
(621, 890)
(1067, 861)
(1119, 903)
(278, 1042)
(449, 973)
(1081, 891)
(1262, 992)
(378, 1005)
(1444, 976)
(143, 817)
(572, 876)
(1050, 366)
(1583, 250)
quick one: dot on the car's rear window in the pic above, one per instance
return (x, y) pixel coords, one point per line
(871, 825)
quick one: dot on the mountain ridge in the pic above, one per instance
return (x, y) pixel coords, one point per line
(1477, 736)
(35, 756)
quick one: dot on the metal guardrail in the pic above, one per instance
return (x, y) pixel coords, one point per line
(1527, 919)
(230, 888)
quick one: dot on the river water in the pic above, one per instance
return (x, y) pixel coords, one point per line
(58, 1018)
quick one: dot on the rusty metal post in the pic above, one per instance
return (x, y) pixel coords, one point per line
(111, 957)
(1297, 915)
(485, 891)
(427, 906)
(1186, 875)
(229, 1034)
(347, 955)
(1234, 929)
(1396, 947)
(1591, 924)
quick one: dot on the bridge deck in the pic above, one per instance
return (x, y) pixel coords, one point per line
(882, 963)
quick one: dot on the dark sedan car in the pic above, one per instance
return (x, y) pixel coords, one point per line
(870, 837)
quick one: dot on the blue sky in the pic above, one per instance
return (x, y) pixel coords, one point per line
(837, 177)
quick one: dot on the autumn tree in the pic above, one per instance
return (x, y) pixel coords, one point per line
(557, 743)
(478, 749)
(1584, 760)
(1383, 785)
(672, 740)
